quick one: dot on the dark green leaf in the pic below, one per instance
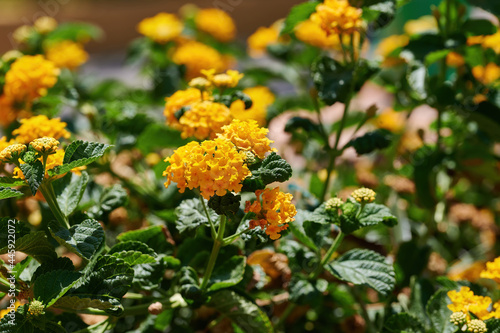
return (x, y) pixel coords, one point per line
(371, 141)
(7, 192)
(34, 175)
(479, 27)
(132, 246)
(191, 215)
(374, 214)
(78, 302)
(153, 236)
(403, 322)
(36, 245)
(307, 292)
(51, 286)
(332, 80)
(80, 153)
(228, 273)
(437, 309)
(491, 6)
(69, 191)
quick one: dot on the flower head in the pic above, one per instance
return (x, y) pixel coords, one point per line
(161, 28)
(247, 136)
(458, 318)
(465, 301)
(12, 153)
(261, 97)
(36, 308)
(364, 195)
(200, 83)
(197, 56)
(333, 204)
(273, 209)
(45, 145)
(217, 23)
(45, 24)
(311, 33)
(214, 166)
(477, 326)
(204, 120)
(454, 59)
(391, 120)
(181, 98)
(492, 270)
(230, 79)
(487, 74)
(30, 77)
(7, 112)
(67, 54)
(39, 127)
(262, 38)
(338, 17)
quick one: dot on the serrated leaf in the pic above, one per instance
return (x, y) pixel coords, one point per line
(332, 80)
(17, 323)
(439, 314)
(191, 215)
(493, 325)
(61, 263)
(272, 169)
(153, 236)
(364, 267)
(298, 14)
(109, 304)
(33, 173)
(36, 245)
(80, 153)
(243, 313)
(83, 239)
(10, 223)
(374, 214)
(371, 141)
(135, 257)
(307, 292)
(132, 246)
(7, 192)
(51, 286)
(227, 274)
(8, 182)
(403, 322)
(111, 198)
(297, 228)
(69, 191)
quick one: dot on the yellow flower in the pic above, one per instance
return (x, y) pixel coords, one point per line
(487, 75)
(424, 24)
(454, 59)
(487, 42)
(178, 100)
(12, 152)
(470, 273)
(364, 195)
(30, 77)
(311, 33)
(200, 83)
(67, 54)
(36, 308)
(161, 28)
(23, 33)
(196, 57)
(261, 98)
(390, 44)
(7, 113)
(262, 38)
(4, 312)
(217, 23)
(338, 17)
(45, 24)
(45, 145)
(391, 120)
(214, 166)
(274, 211)
(477, 326)
(38, 127)
(492, 270)
(465, 301)
(230, 79)
(247, 136)
(204, 120)
(4, 143)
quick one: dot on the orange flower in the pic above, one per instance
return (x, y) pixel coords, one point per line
(465, 301)
(197, 56)
(161, 28)
(247, 136)
(204, 120)
(217, 23)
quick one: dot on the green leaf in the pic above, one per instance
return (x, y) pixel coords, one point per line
(191, 215)
(78, 302)
(298, 230)
(79, 153)
(298, 14)
(135, 257)
(33, 173)
(332, 80)
(227, 274)
(307, 292)
(157, 136)
(51, 286)
(153, 236)
(7, 224)
(69, 191)
(7, 192)
(84, 239)
(243, 313)
(374, 214)
(36, 245)
(364, 267)
(379, 13)
(18, 322)
(272, 169)
(437, 309)
(61, 263)
(493, 325)
(479, 27)
(132, 246)
(371, 141)
(403, 322)
(111, 198)
(8, 182)
(75, 31)
(426, 160)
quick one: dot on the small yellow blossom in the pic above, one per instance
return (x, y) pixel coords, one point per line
(477, 326)
(36, 308)
(23, 33)
(40, 126)
(45, 24)
(333, 204)
(487, 75)
(338, 17)
(274, 210)
(12, 152)
(454, 59)
(161, 28)
(217, 23)
(424, 24)
(262, 38)
(197, 56)
(214, 166)
(391, 120)
(204, 120)
(200, 83)
(262, 98)
(364, 195)
(465, 301)
(30, 77)
(67, 54)
(311, 33)
(45, 145)
(7, 112)
(181, 98)
(390, 44)
(230, 79)
(492, 270)
(458, 318)
(247, 136)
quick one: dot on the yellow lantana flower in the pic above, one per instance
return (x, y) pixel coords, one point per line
(230, 79)
(178, 100)
(247, 136)
(261, 97)
(7, 112)
(38, 127)
(45, 145)
(197, 56)
(262, 38)
(217, 23)
(161, 28)
(67, 54)
(338, 17)
(487, 74)
(204, 120)
(465, 301)
(391, 120)
(492, 270)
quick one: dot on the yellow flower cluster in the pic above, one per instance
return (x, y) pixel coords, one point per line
(465, 301)
(214, 166)
(274, 210)
(261, 97)
(7, 112)
(67, 54)
(39, 127)
(161, 28)
(492, 270)
(30, 77)
(178, 100)
(36, 308)
(197, 56)
(333, 204)
(204, 120)
(217, 23)
(262, 38)
(311, 33)
(4, 143)
(53, 161)
(487, 42)
(391, 120)
(487, 74)
(11, 152)
(45, 145)
(363, 195)
(247, 136)
(338, 17)
(230, 79)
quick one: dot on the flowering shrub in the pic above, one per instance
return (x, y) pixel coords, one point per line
(345, 184)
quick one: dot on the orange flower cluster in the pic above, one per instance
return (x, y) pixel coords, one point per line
(39, 127)
(197, 56)
(204, 120)
(161, 28)
(214, 166)
(274, 210)
(247, 136)
(338, 17)
(262, 38)
(67, 54)
(217, 23)
(178, 100)
(261, 97)
(492, 270)
(465, 301)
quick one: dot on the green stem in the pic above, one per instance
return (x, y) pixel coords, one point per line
(228, 240)
(364, 312)
(212, 226)
(218, 243)
(288, 310)
(328, 256)
(135, 310)
(331, 165)
(48, 193)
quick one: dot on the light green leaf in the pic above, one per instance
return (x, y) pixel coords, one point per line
(191, 215)
(135, 257)
(374, 214)
(36, 245)
(437, 309)
(243, 313)
(83, 239)
(8, 182)
(51, 286)
(33, 173)
(80, 153)
(7, 192)
(298, 14)
(364, 267)
(69, 191)
(228, 274)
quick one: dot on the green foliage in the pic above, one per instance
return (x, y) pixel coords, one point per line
(79, 153)
(7, 192)
(298, 14)
(51, 286)
(371, 141)
(307, 292)
(272, 169)
(157, 136)
(332, 80)
(228, 274)
(110, 198)
(403, 322)
(153, 236)
(439, 313)
(9, 181)
(69, 191)
(33, 173)
(191, 215)
(34, 244)
(229, 204)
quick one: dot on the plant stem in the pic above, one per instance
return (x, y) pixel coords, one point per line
(288, 310)
(50, 196)
(364, 313)
(328, 255)
(331, 165)
(218, 242)
(129, 311)
(212, 227)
